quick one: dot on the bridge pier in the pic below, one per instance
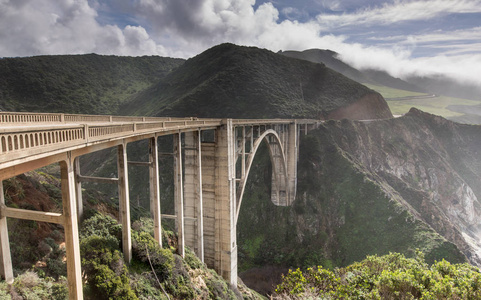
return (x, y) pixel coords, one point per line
(179, 193)
(5, 256)
(72, 247)
(124, 200)
(292, 155)
(154, 188)
(225, 203)
(193, 206)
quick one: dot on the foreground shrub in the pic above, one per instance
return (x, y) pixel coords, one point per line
(392, 276)
(30, 286)
(102, 260)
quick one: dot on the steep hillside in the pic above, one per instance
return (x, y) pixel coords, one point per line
(330, 59)
(232, 81)
(90, 83)
(371, 188)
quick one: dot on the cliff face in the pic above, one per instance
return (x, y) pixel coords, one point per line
(431, 163)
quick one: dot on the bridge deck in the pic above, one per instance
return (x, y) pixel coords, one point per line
(26, 137)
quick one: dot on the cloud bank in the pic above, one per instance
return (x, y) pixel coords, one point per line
(183, 28)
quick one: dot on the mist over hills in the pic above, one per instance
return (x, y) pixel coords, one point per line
(330, 59)
(435, 84)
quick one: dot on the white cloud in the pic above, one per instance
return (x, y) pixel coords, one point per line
(183, 28)
(400, 11)
(464, 68)
(34, 27)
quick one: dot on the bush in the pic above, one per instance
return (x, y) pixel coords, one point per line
(392, 276)
(144, 246)
(30, 286)
(102, 260)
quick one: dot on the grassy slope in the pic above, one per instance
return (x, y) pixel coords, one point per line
(77, 83)
(234, 81)
(435, 105)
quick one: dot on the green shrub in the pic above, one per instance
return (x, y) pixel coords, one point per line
(30, 286)
(100, 225)
(104, 268)
(391, 276)
(144, 246)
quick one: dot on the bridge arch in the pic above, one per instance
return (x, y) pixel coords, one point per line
(279, 194)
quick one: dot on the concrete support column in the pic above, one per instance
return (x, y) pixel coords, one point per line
(193, 208)
(154, 188)
(292, 156)
(279, 186)
(179, 193)
(225, 204)
(124, 201)
(208, 202)
(74, 272)
(5, 256)
(78, 188)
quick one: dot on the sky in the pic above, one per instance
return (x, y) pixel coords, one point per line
(403, 37)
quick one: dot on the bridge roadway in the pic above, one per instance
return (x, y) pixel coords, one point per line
(209, 176)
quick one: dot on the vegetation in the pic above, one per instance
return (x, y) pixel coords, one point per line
(90, 83)
(392, 276)
(435, 105)
(155, 272)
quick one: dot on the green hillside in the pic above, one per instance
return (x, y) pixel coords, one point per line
(233, 81)
(77, 83)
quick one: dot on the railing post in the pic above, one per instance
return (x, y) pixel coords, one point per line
(124, 201)
(5, 256)
(86, 132)
(154, 188)
(74, 272)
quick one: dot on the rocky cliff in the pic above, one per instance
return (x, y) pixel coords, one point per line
(429, 164)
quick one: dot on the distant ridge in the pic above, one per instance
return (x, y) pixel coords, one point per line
(235, 81)
(329, 58)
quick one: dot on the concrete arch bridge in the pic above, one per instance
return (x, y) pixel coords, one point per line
(210, 175)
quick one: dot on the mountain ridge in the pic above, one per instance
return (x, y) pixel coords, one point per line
(235, 81)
